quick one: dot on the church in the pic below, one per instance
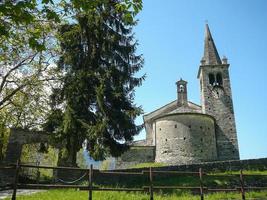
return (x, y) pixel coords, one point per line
(183, 132)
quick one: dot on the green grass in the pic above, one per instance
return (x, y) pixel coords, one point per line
(212, 181)
(146, 165)
(81, 195)
(248, 172)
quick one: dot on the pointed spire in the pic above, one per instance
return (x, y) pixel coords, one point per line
(211, 56)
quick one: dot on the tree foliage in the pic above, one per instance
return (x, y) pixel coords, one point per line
(97, 98)
(28, 49)
(93, 86)
(26, 17)
(26, 75)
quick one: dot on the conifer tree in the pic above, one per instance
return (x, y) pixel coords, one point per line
(96, 100)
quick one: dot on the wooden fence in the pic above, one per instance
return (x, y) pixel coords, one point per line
(150, 189)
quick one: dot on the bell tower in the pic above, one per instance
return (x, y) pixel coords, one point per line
(182, 92)
(216, 98)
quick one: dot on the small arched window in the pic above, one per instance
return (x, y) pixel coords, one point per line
(181, 88)
(211, 79)
(219, 79)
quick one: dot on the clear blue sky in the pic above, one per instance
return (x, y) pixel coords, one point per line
(171, 38)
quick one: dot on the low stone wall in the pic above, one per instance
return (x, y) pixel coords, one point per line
(110, 179)
(16, 140)
(217, 166)
(6, 176)
(135, 155)
(19, 137)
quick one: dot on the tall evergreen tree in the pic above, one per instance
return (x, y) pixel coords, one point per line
(97, 96)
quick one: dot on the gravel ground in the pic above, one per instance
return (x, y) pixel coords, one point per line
(8, 193)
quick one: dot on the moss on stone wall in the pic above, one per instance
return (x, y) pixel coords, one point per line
(4, 136)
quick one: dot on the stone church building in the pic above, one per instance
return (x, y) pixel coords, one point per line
(183, 132)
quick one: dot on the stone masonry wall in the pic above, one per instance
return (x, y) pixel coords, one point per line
(136, 155)
(185, 138)
(216, 166)
(17, 139)
(221, 108)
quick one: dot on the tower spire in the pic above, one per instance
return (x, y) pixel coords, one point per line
(211, 56)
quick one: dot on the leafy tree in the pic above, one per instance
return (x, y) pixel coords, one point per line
(96, 101)
(27, 51)
(25, 78)
(22, 16)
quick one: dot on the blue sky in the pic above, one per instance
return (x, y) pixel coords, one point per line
(171, 38)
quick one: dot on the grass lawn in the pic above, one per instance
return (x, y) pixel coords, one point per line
(144, 165)
(215, 180)
(81, 195)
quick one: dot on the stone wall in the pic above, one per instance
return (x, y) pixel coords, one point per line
(217, 102)
(136, 155)
(173, 107)
(219, 166)
(185, 138)
(18, 138)
(216, 166)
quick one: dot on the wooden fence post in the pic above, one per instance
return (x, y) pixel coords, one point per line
(16, 177)
(90, 181)
(242, 185)
(151, 184)
(201, 184)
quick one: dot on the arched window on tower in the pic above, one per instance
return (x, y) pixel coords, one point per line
(181, 88)
(219, 79)
(211, 79)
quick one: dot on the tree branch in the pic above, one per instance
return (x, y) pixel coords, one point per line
(11, 94)
(14, 68)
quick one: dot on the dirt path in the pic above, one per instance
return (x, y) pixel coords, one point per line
(8, 193)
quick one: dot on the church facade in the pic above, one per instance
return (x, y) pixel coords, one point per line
(183, 132)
